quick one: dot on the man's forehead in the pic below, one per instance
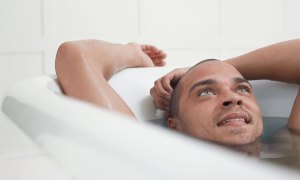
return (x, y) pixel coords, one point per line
(212, 70)
(213, 64)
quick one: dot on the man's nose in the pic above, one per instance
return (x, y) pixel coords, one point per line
(232, 99)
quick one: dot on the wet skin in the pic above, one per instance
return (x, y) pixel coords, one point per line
(218, 104)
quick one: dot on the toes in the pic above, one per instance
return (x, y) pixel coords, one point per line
(156, 55)
(158, 61)
(149, 48)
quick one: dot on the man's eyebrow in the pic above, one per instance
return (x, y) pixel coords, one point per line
(242, 80)
(201, 83)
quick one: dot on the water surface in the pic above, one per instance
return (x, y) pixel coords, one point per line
(277, 144)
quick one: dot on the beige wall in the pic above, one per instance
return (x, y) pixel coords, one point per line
(188, 30)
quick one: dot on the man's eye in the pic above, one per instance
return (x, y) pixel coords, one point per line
(206, 92)
(243, 89)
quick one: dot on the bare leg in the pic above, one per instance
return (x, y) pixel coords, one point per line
(84, 67)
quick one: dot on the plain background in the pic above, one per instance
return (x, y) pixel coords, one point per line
(188, 30)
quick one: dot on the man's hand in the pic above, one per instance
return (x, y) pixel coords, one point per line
(162, 89)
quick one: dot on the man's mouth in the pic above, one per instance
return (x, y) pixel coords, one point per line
(234, 119)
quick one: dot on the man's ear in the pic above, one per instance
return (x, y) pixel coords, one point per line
(174, 123)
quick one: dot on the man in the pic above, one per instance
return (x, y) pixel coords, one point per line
(213, 100)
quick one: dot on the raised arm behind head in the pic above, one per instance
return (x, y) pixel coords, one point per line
(279, 62)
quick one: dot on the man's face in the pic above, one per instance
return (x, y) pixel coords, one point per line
(216, 103)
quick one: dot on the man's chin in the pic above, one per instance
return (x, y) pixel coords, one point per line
(239, 135)
(238, 140)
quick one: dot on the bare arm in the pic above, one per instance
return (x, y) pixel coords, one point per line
(84, 67)
(279, 62)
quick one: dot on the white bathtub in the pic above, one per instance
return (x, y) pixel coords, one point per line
(86, 142)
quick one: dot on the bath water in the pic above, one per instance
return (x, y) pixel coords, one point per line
(277, 145)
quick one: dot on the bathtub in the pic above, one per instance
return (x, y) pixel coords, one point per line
(86, 142)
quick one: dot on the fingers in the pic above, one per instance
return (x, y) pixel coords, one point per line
(159, 102)
(161, 92)
(166, 83)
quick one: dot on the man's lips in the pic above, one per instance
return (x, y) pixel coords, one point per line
(234, 119)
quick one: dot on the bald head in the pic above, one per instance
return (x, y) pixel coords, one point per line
(213, 101)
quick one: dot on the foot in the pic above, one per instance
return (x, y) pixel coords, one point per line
(149, 55)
